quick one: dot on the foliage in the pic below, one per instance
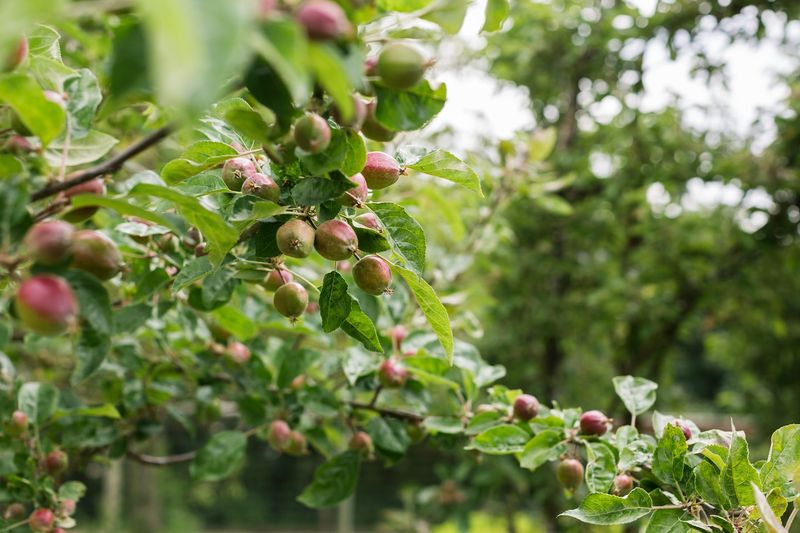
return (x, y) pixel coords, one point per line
(175, 323)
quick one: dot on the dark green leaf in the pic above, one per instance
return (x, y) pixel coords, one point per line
(90, 352)
(334, 481)
(500, 440)
(605, 509)
(546, 446)
(94, 304)
(359, 326)
(38, 401)
(404, 234)
(222, 455)
(409, 109)
(334, 301)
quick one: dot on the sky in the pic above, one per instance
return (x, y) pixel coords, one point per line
(477, 104)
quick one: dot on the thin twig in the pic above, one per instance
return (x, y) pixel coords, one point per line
(106, 167)
(387, 411)
(792, 516)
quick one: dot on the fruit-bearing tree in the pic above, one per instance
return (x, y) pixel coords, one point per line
(198, 225)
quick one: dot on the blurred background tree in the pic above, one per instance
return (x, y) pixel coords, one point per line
(614, 239)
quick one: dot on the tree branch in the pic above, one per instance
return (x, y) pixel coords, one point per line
(387, 411)
(156, 460)
(106, 167)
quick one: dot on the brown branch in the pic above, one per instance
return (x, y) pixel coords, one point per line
(106, 167)
(163, 460)
(387, 411)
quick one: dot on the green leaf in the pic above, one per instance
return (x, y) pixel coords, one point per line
(782, 468)
(150, 283)
(356, 155)
(249, 123)
(83, 98)
(771, 522)
(334, 481)
(194, 47)
(234, 320)
(332, 158)
(409, 109)
(90, 352)
(496, 14)
(44, 118)
(222, 455)
(220, 235)
(449, 14)
(371, 241)
(605, 509)
(194, 269)
(331, 73)
(638, 394)
(431, 307)
(447, 166)
(38, 401)
(668, 459)
(601, 469)
(707, 484)
(404, 234)
(314, 191)
(449, 425)
(668, 521)
(128, 70)
(360, 326)
(283, 45)
(334, 301)
(123, 208)
(94, 304)
(500, 440)
(555, 205)
(738, 473)
(542, 144)
(100, 411)
(547, 445)
(389, 435)
(72, 490)
(197, 158)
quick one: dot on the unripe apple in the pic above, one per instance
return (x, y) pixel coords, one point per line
(398, 334)
(361, 442)
(14, 512)
(400, 66)
(18, 423)
(312, 133)
(570, 474)
(262, 186)
(41, 520)
(96, 187)
(295, 238)
(594, 423)
(312, 307)
(49, 242)
(356, 119)
(370, 221)
(392, 373)
(357, 195)
(46, 304)
(623, 484)
(96, 254)
(373, 275)
(324, 20)
(335, 240)
(279, 434)
(17, 55)
(372, 129)
(297, 444)
(526, 407)
(238, 352)
(17, 144)
(55, 462)
(201, 249)
(381, 170)
(66, 507)
(235, 171)
(276, 278)
(291, 299)
(298, 382)
(683, 426)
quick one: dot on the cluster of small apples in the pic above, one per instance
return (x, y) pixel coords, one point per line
(45, 302)
(334, 239)
(53, 463)
(397, 65)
